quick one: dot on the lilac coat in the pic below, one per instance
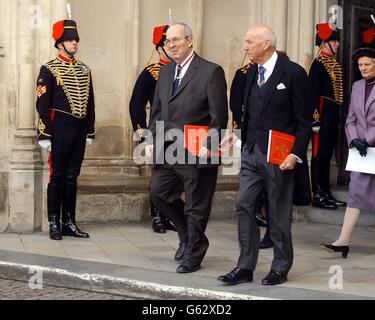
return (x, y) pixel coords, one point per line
(360, 123)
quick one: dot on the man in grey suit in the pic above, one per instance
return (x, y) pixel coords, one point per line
(276, 98)
(190, 91)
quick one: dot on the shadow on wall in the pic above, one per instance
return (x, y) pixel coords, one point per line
(4, 214)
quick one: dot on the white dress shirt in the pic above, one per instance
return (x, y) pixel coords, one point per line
(185, 65)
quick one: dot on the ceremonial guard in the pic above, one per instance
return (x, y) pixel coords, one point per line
(142, 98)
(66, 110)
(326, 85)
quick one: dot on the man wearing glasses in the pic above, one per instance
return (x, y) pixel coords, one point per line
(190, 91)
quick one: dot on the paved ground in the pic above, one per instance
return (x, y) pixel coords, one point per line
(149, 256)
(16, 290)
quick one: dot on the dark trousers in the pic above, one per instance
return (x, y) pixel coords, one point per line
(66, 157)
(325, 144)
(68, 148)
(190, 221)
(256, 174)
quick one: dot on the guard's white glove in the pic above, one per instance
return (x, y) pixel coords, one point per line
(45, 144)
(316, 129)
(89, 142)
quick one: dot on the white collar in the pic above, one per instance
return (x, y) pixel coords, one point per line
(270, 64)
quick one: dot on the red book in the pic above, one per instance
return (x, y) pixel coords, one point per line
(195, 136)
(280, 146)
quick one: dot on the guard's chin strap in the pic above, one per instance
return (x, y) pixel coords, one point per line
(331, 48)
(166, 54)
(71, 55)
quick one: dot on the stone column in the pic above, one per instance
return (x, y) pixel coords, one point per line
(255, 10)
(293, 29)
(196, 18)
(280, 26)
(25, 177)
(132, 62)
(307, 34)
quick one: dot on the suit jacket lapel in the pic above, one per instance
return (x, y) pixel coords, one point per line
(370, 100)
(171, 75)
(190, 74)
(273, 81)
(251, 76)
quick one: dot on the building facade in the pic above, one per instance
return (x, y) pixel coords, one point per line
(116, 43)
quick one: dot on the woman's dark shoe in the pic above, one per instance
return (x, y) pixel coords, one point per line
(331, 248)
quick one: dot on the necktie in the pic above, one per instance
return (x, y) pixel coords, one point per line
(177, 81)
(262, 79)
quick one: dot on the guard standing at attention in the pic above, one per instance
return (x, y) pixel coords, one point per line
(142, 97)
(66, 110)
(326, 85)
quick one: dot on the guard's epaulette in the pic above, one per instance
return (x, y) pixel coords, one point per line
(335, 72)
(154, 70)
(245, 69)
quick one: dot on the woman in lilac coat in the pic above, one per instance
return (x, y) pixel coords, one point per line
(360, 131)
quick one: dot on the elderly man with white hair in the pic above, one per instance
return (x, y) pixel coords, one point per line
(276, 98)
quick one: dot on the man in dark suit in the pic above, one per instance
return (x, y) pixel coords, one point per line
(276, 98)
(190, 91)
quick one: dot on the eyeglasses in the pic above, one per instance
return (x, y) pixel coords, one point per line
(174, 41)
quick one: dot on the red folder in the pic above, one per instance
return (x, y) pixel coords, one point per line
(195, 136)
(280, 146)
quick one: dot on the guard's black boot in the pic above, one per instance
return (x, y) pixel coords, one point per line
(69, 227)
(260, 220)
(158, 225)
(53, 207)
(157, 220)
(333, 200)
(320, 201)
(266, 243)
(168, 224)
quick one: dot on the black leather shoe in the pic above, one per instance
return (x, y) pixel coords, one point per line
(169, 225)
(274, 278)
(237, 276)
(319, 201)
(334, 201)
(331, 248)
(188, 267)
(158, 225)
(70, 229)
(180, 252)
(260, 220)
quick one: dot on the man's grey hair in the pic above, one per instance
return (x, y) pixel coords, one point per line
(269, 35)
(187, 30)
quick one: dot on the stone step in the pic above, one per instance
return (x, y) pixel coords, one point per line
(126, 199)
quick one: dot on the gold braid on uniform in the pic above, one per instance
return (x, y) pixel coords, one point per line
(75, 80)
(42, 128)
(154, 70)
(245, 69)
(335, 72)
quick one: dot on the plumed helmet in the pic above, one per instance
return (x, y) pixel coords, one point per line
(160, 35)
(326, 33)
(65, 30)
